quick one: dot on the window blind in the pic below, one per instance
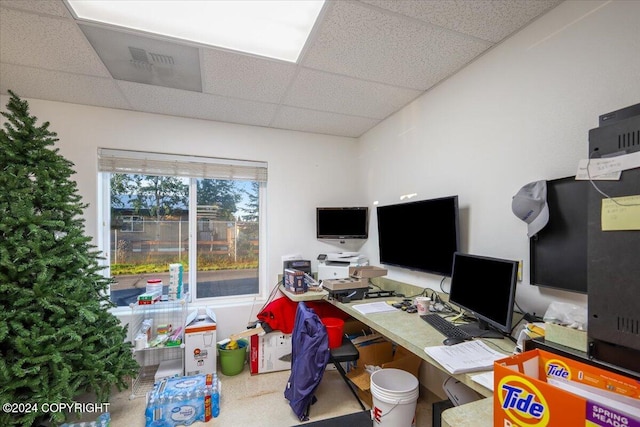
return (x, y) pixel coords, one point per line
(146, 163)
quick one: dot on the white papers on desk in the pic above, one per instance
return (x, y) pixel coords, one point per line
(469, 356)
(484, 379)
(374, 307)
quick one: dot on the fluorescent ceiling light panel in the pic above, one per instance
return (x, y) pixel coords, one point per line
(276, 29)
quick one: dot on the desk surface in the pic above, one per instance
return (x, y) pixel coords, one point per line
(414, 334)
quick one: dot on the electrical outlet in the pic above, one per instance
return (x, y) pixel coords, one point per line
(520, 271)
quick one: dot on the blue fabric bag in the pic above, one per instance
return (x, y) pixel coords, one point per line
(309, 357)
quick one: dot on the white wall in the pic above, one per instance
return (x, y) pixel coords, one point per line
(520, 113)
(305, 171)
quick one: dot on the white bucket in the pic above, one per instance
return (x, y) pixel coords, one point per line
(395, 395)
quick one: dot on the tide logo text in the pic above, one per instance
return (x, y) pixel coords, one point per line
(522, 403)
(558, 369)
(518, 399)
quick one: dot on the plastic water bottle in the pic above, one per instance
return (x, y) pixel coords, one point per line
(215, 400)
(151, 408)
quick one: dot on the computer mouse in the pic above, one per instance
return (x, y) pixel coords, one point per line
(453, 341)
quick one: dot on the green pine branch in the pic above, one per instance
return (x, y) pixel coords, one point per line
(57, 338)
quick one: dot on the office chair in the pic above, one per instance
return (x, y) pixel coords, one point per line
(347, 352)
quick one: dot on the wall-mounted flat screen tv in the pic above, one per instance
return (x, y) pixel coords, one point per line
(342, 223)
(421, 235)
(558, 252)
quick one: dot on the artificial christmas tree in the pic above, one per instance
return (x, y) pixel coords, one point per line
(57, 338)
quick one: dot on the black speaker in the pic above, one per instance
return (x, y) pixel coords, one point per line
(613, 270)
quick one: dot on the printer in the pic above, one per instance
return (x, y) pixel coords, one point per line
(336, 265)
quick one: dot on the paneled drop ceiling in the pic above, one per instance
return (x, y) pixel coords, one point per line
(364, 61)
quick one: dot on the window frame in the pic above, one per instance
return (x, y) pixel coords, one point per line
(220, 165)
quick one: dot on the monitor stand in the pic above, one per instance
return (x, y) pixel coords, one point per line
(480, 329)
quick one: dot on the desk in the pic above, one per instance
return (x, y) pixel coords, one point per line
(307, 296)
(414, 334)
(474, 414)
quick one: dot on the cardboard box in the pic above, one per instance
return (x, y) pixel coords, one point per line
(566, 336)
(294, 281)
(367, 272)
(200, 346)
(344, 284)
(538, 388)
(354, 327)
(375, 350)
(270, 352)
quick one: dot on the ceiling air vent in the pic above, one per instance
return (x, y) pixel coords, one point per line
(159, 58)
(136, 58)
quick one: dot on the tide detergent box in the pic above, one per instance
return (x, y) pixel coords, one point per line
(542, 389)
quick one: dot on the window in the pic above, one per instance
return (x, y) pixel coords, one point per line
(203, 213)
(131, 223)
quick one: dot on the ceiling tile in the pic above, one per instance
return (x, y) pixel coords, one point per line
(57, 86)
(361, 41)
(490, 20)
(245, 76)
(174, 102)
(322, 122)
(365, 60)
(47, 7)
(149, 60)
(49, 43)
(338, 94)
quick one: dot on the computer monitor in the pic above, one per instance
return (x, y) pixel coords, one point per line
(340, 223)
(421, 235)
(558, 252)
(484, 287)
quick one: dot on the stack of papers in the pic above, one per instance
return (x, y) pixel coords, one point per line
(374, 307)
(469, 356)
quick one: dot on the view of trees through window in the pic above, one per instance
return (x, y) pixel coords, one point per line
(153, 225)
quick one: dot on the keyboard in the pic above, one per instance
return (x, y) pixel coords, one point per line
(445, 327)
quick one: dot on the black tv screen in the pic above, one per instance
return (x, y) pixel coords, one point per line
(342, 223)
(558, 252)
(421, 235)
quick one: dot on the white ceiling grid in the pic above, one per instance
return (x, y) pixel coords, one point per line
(364, 61)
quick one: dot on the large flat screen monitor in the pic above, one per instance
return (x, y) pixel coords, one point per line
(558, 252)
(421, 235)
(484, 287)
(342, 223)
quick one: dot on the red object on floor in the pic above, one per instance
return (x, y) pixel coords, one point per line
(280, 314)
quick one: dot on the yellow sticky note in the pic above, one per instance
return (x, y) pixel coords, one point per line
(621, 213)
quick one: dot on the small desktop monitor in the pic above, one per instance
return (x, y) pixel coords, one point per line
(342, 222)
(485, 288)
